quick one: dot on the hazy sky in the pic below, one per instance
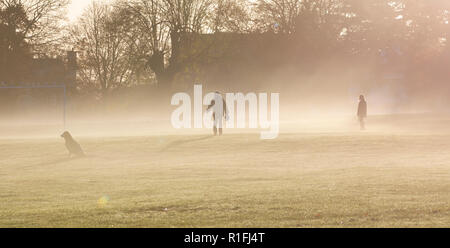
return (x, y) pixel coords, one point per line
(76, 8)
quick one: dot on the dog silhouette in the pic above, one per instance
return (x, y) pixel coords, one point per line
(72, 146)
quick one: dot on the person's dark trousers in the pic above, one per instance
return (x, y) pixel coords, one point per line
(215, 131)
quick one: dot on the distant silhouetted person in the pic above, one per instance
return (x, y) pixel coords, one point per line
(218, 112)
(362, 112)
(71, 145)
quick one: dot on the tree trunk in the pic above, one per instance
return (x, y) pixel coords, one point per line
(164, 80)
(164, 75)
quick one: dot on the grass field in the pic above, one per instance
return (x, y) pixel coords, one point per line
(311, 179)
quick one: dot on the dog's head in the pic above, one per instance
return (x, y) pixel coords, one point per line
(66, 135)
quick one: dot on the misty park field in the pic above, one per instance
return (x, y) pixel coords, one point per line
(377, 178)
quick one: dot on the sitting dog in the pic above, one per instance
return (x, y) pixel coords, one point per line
(73, 147)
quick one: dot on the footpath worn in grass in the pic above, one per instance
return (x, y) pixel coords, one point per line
(238, 180)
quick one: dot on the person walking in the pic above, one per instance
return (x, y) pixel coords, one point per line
(219, 112)
(362, 112)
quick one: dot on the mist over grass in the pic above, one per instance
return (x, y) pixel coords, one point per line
(308, 177)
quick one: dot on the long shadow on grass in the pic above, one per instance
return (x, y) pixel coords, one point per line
(55, 161)
(181, 142)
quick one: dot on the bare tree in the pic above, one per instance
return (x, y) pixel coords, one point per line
(44, 23)
(168, 30)
(232, 16)
(101, 36)
(291, 16)
(279, 15)
(162, 26)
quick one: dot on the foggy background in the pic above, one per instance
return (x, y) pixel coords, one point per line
(122, 61)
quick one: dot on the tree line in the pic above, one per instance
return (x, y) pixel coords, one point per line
(130, 42)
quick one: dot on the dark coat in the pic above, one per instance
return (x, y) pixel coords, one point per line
(362, 109)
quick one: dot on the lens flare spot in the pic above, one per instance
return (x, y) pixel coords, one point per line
(103, 201)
